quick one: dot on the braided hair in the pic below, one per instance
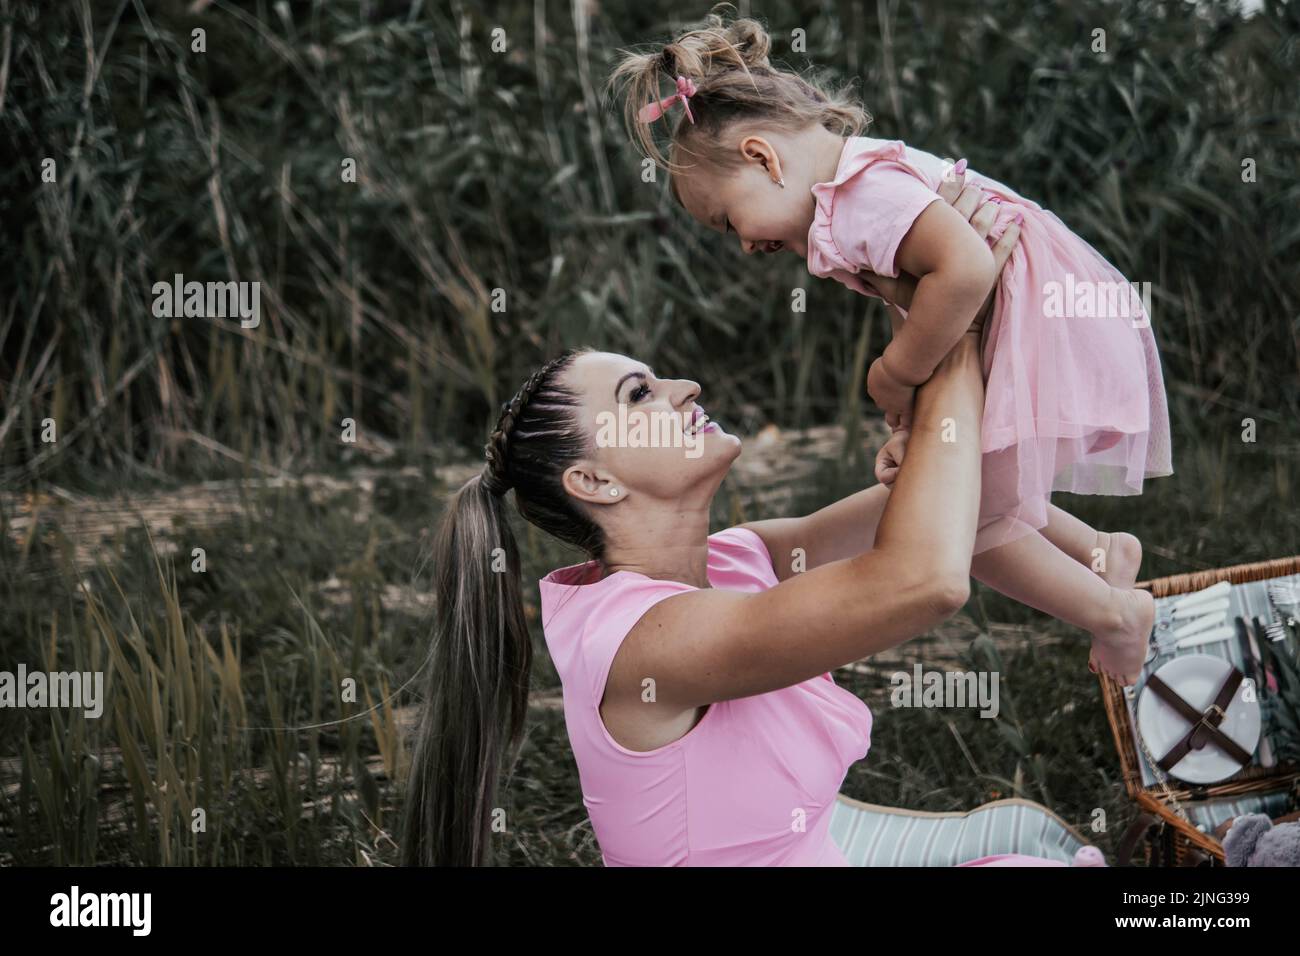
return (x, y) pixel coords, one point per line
(480, 650)
(496, 473)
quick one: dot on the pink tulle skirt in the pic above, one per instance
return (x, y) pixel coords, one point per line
(1074, 395)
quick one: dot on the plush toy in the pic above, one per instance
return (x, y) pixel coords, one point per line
(1088, 856)
(1253, 840)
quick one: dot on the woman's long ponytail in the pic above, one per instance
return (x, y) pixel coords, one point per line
(480, 654)
(477, 686)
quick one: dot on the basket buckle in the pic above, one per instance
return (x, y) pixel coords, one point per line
(1216, 709)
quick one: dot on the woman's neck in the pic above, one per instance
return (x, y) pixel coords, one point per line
(668, 544)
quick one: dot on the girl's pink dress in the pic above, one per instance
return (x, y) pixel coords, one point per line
(753, 783)
(1074, 395)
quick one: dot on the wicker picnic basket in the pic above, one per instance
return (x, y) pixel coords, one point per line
(1166, 837)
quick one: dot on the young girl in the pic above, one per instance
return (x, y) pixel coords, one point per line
(1074, 394)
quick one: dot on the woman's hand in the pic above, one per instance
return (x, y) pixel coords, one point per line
(967, 199)
(890, 456)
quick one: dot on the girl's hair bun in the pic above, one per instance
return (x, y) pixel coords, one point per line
(727, 61)
(716, 46)
(751, 41)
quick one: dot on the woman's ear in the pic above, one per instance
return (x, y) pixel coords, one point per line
(595, 486)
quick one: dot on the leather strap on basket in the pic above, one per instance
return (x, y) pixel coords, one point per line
(1205, 725)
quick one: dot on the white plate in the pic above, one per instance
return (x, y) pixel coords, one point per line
(1197, 679)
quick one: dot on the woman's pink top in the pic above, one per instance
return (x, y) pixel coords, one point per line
(753, 783)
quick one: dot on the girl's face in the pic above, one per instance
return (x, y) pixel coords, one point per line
(748, 203)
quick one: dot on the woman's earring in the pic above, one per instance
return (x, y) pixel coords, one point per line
(613, 492)
(781, 183)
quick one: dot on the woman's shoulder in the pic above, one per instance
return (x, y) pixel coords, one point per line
(578, 591)
(584, 623)
(737, 539)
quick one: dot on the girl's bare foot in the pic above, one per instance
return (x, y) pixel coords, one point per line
(1120, 648)
(1122, 553)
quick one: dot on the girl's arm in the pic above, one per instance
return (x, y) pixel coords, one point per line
(847, 527)
(956, 272)
(896, 321)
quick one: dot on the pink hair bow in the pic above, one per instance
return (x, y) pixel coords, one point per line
(652, 111)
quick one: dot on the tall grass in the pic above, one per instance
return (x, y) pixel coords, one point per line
(482, 171)
(229, 735)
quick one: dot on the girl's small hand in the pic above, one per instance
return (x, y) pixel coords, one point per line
(890, 457)
(897, 421)
(893, 397)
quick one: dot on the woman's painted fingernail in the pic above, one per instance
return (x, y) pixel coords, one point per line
(1020, 217)
(959, 167)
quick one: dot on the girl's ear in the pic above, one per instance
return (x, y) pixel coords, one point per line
(756, 149)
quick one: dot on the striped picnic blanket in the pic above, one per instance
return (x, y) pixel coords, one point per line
(872, 835)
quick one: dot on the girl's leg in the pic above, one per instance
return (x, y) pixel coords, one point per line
(1034, 571)
(1120, 552)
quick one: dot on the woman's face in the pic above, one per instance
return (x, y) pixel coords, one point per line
(650, 437)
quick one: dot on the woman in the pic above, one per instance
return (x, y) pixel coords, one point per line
(696, 669)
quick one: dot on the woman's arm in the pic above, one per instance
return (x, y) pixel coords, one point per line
(713, 644)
